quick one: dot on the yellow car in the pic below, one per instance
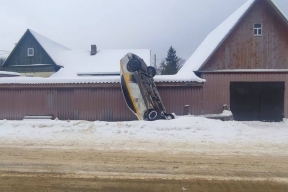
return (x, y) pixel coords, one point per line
(139, 89)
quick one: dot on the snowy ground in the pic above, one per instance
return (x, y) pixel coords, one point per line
(52, 155)
(184, 134)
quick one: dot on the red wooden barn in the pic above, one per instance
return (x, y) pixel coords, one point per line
(245, 63)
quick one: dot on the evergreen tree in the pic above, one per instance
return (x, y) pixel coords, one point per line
(169, 66)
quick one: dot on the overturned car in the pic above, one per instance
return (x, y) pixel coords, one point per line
(139, 89)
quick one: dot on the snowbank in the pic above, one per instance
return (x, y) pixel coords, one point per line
(189, 133)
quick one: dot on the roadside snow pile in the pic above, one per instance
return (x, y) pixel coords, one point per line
(225, 115)
(189, 133)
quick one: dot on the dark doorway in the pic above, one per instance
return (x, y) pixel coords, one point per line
(262, 101)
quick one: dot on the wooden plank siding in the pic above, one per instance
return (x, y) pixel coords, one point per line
(19, 57)
(216, 91)
(242, 50)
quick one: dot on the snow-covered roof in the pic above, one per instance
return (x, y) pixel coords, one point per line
(40, 80)
(52, 48)
(81, 61)
(79, 66)
(105, 61)
(189, 77)
(214, 39)
(98, 74)
(90, 79)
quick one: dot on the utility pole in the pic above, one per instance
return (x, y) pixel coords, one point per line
(155, 61)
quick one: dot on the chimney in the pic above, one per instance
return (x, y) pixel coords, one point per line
(93, 49)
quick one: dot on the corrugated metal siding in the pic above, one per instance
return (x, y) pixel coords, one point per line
(93, 103)
(175, 98)
(216, 90)
(15, 104)
(65, 104)
(107, 103)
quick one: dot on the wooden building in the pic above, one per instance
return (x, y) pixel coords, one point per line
(31, 57)
(245, 63)
(38, 56)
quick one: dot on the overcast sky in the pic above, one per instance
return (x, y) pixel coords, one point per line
(118, 24)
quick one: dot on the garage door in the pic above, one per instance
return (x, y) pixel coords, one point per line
(262, 101)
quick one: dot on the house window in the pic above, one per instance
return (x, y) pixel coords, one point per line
(30, 52)
(257, 29)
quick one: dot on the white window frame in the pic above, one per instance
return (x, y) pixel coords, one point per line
(258, 34)
(28, 52)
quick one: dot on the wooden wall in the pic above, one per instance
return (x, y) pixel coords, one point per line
(243, 50)
(216, 90)
(19, 56)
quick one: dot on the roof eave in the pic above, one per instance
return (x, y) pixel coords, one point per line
(274, 6)
(44, 49)
(227, 35)
(15, 48)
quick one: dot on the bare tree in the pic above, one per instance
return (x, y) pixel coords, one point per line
(181, 62)
(160, 68)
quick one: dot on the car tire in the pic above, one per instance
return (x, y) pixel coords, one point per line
(169, 116)
(134, 65)
(151, 71)
(151, 115)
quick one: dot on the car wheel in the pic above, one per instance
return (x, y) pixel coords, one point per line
(134, 65)
(169, 116)
(151, 71)
(151, 115)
